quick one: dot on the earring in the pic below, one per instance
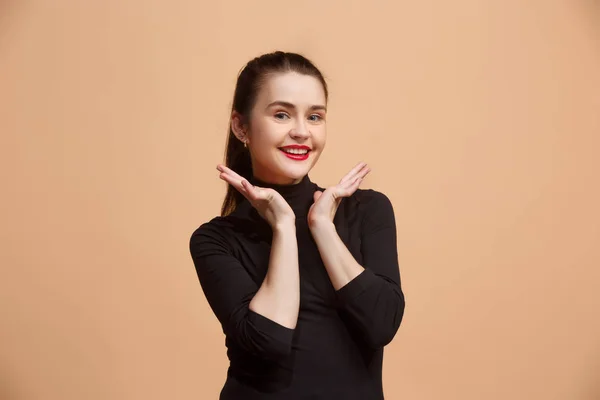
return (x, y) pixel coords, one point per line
(245, 144)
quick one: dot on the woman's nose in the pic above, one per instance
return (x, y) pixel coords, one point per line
(300, 130)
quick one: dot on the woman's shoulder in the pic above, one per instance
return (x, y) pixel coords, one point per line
(371, 196)
(222, 228)
(370, 206)
(374, 209)
(370, 200)
(215, 230)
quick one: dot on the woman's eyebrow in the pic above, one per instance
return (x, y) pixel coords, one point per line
(290, 105)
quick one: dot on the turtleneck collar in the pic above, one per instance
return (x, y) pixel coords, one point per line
(299, 195)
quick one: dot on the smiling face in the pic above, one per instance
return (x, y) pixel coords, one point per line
(286, 132)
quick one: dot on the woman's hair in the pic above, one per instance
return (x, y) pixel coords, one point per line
(249, 82)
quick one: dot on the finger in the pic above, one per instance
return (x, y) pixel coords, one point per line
(241, 183)
(350, 175)
(360, 175)
(235, 183)
(254, 193)
(353, 172)
(350, 188)
(232, 177)
(229, 171)
(227, 178)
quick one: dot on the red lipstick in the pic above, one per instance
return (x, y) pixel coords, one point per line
(297, 157)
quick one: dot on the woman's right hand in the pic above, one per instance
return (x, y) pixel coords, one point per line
(270, 205)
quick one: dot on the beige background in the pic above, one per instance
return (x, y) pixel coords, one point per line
(480, 120)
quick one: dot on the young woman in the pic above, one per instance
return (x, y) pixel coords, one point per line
(304, 280)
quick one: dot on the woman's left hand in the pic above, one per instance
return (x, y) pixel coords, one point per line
(327, 202)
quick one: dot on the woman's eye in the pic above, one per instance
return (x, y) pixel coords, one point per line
(315, 117)
(281, 115)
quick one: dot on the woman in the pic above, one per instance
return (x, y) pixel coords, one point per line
(304, 280)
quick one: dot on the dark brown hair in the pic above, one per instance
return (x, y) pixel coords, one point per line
(249, 82)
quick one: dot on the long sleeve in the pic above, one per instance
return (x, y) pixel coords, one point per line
(229, 289)
(374, 300)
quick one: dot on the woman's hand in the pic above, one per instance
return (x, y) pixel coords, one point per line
(327, 202)
(270, 205)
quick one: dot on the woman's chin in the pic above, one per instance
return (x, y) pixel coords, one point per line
(297, 172)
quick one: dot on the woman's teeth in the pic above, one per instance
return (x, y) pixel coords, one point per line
(295, 151)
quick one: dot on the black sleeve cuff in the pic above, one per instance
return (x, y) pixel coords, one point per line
(270, 328)
(356, 287)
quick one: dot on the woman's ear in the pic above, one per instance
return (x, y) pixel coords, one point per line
(238, 127)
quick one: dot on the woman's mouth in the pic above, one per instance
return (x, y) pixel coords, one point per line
(295, 154)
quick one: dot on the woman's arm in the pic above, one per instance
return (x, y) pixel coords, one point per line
(370, 294)
(339, 262)
(260, 319)
(279, 295)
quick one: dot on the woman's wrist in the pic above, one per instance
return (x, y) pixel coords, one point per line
(320, 224)
(285, 225)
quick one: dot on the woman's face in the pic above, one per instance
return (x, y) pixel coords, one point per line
(289, 111)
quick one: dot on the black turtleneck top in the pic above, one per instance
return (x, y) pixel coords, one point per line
(336, 349)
